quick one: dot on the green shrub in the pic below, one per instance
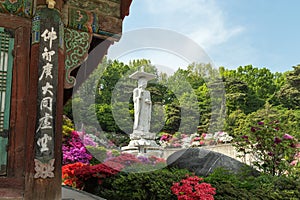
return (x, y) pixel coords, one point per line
(266, 187)
(67, 127)
(142, 167)
(118, 139)
(115, 152)
(142, 186)
(287, 188)
(150, 185)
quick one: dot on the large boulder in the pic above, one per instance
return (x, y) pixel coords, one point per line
(203, 162)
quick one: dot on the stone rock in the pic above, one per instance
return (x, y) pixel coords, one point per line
(203, 162)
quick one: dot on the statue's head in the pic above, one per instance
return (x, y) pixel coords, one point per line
(142, 83)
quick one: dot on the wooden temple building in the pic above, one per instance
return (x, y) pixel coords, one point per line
(43, 43)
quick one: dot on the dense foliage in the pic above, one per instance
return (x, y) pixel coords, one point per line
(142, 186)
(191, 99)
(173, 183)
(256, 107)
(241, 187)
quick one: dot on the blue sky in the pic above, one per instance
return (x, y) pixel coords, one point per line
(264, 33)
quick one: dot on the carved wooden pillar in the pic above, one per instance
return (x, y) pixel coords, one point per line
(43, 172)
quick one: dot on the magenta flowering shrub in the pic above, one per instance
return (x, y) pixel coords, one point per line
(272, 148)
(87, 141)
(164, 140)
(197, 140)
(74, 149)
(177, 140)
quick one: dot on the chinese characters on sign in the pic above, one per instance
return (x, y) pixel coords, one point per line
(47, 83)
(46, 121)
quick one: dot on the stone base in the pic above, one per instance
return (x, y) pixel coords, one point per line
(142, 143)
(143, 147)
(131, 150)
(136, 135)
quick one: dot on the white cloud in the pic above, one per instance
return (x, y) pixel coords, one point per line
(201, 20)
(163, 60)
(205, 22)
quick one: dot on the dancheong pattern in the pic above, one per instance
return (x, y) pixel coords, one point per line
(17, 7)
(109, 8)
(77, 45)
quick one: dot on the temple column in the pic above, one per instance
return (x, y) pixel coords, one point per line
(43, 171)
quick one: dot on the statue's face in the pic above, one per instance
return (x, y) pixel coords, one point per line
(142, 83)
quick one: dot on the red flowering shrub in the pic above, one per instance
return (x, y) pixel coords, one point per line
(70, 172)
(77, 174)
(104, 170)
(193, 188)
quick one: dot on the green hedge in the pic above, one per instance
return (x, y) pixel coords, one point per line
(156, 185)
(142, 186)
(263, 187)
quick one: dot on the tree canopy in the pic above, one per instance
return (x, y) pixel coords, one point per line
(200, 98)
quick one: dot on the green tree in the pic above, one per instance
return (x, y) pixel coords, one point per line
(204, 103)
(107, 81)
(218, 105)
(114, 99)
(235, 122)
(240, 97)
(289, 93)
(173, 117)
(261, 81)
(182, 111)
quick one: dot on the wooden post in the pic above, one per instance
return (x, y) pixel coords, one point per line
(43, 172)
(12, 184)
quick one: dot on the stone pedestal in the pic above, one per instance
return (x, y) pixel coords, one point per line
(145, 146)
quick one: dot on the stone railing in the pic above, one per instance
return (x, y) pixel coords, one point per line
(226, 149)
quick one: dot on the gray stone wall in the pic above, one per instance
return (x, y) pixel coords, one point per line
(226, 149)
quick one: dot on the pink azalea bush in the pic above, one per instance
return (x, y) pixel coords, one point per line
(193, 188)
